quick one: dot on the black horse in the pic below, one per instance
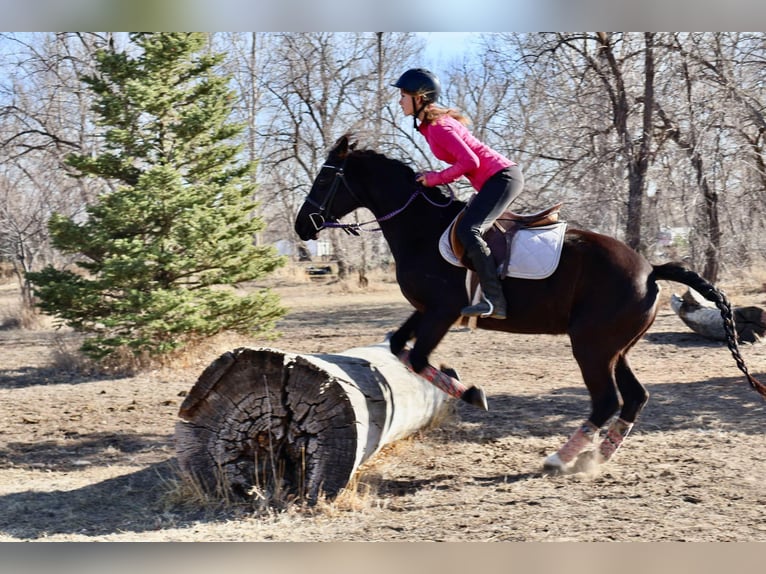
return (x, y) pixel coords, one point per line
(603, 294)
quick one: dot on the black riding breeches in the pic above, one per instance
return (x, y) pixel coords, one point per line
(493, 199)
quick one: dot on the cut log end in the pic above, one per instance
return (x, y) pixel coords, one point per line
(261, 421)
(267, 424)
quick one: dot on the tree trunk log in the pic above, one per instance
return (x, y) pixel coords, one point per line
(702, 317)
(262, 421)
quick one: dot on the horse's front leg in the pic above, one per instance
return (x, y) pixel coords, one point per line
(407, 331)
(431, 329)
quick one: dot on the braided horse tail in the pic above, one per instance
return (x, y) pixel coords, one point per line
(680, 274)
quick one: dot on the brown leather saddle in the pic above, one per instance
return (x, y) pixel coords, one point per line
(499, 236)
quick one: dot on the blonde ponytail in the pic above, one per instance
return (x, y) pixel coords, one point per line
(433, 112)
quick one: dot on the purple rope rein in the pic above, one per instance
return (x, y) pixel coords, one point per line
(418, 191)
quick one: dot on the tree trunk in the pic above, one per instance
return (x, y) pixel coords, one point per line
(638, 158)
(713, 235)
(265, 421)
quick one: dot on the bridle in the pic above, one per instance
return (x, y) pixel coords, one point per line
(324, 219)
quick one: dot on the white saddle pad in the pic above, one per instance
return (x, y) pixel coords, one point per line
(535, 251)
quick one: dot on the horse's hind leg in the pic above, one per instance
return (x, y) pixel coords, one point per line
(634, 397)
(598, 370)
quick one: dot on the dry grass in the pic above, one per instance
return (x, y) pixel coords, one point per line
(187, 492)
(747, 281)
(66, 356)
(269, 497)
(14, 316)
(17, 316)
(295, 274)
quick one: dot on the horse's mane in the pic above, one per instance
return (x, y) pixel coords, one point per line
(395, 166)
(346, 145)
(391, 163)
(404, 170)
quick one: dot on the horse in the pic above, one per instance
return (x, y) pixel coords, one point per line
(603, 294)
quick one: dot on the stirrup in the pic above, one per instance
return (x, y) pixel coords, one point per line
(475, 311)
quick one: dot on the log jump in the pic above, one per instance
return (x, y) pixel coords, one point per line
(704, 318)
(271, 421)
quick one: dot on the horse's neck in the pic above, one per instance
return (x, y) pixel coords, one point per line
(409, 217)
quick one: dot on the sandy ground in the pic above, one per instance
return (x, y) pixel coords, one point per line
(91, 458)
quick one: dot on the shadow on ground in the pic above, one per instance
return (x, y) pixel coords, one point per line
(131, 502)
(723, 404)
(77, 452)
(41, 376)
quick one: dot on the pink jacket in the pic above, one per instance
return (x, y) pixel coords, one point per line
(451, 142)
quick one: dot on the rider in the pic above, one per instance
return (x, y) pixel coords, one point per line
(497, 179)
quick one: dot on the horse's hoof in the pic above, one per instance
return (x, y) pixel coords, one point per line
(475, 396)
(554, 465)
(588, 462)
(449, 371)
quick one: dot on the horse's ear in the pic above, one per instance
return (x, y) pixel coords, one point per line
(342, 146)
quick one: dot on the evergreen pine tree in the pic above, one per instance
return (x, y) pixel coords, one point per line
(163, 247)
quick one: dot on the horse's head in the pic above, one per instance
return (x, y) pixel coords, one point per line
(330, 197)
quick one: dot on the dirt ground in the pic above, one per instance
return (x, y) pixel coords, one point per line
(91, 458)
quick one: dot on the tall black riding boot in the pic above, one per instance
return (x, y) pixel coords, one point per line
(493, 305)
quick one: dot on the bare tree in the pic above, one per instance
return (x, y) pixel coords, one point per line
(605, 72)
(637, 133)
(718, 123)
(44, 115)
(735, 64)
(592, 113)
(315, 87)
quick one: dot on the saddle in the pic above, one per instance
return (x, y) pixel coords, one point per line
(499, 237)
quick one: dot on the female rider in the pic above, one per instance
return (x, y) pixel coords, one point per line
(497, 179)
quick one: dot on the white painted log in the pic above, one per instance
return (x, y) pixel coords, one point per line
(704, 318)
(266, 420)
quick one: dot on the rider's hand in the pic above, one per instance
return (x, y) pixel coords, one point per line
(422, 179)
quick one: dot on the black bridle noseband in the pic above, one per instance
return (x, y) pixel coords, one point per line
(324, 219)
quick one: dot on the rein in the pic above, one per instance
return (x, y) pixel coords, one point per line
(324, 219)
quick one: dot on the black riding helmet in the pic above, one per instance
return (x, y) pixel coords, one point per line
(420, 82)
